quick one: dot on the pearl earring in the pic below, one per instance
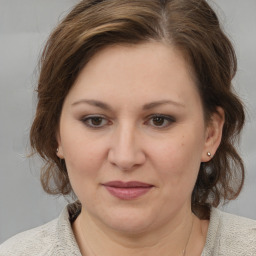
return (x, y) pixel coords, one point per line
(209, 154)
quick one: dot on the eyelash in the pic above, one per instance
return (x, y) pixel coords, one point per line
(88, 119)
(166, 118)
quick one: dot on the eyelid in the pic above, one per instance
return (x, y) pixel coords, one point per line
(169, 118)
(84, 119)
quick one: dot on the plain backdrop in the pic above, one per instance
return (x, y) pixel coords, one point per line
(24, 28)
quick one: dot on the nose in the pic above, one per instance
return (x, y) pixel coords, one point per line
(126, 151)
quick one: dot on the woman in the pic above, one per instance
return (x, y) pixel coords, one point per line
(137, 118)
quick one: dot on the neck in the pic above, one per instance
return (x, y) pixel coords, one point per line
(96, 239)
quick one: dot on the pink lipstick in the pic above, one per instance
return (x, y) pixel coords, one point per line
(127, 190)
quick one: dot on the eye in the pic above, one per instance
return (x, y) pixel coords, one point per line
(160, 121)
(94, 121)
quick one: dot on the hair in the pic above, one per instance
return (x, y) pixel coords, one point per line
(190, 26)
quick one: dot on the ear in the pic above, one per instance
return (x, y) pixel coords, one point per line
(59, 150)
(213, 134)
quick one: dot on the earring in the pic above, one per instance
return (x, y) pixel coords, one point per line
(57, 150)
(209, 154)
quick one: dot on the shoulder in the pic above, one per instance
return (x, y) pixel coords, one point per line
(55, 238)
(32, 242)
(229, 234)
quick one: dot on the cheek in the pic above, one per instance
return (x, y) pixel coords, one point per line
(83, 158)
(83, 166)
(178, 159)
(177, 164)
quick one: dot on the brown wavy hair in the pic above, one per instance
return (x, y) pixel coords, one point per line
(190, 26)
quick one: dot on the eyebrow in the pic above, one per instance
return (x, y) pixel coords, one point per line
(147, 106)
(95, 103)
(161, 102)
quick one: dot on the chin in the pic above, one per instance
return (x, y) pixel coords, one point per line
(128, 221)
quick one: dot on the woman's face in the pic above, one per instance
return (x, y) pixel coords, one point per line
(134, 114)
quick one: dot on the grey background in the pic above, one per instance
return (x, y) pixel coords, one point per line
(24, 28)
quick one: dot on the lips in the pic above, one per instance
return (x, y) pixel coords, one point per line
(127, 190)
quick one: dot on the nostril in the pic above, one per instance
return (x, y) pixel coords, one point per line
(123, 163)
(125, 153)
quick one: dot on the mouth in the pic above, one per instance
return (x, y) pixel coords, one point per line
(127, 190)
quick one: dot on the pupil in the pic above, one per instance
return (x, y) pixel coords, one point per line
(96, 120)
(158, 120)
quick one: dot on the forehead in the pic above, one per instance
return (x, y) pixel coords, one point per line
(147, 71)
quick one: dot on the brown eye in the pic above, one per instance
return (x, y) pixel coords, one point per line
(158, 121)
(94, 121)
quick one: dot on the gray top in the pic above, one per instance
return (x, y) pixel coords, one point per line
(228, 235)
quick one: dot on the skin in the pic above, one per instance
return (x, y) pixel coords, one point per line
(128, 144)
